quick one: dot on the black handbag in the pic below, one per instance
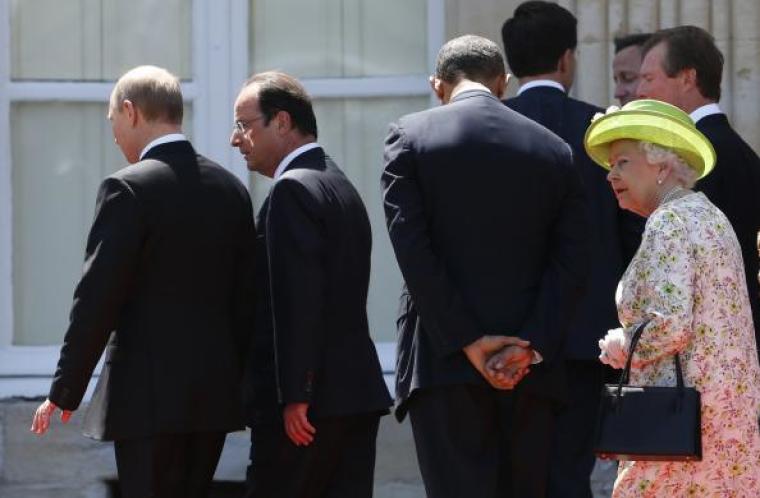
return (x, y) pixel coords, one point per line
(649, 423)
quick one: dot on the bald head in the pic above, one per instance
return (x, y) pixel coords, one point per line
(154, 91)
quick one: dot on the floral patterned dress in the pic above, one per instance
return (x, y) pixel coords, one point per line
(688, 277)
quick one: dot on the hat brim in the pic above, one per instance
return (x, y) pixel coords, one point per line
(686, 141)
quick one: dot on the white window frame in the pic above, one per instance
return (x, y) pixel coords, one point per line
(219, 40)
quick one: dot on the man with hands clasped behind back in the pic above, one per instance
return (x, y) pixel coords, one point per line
(486, 217)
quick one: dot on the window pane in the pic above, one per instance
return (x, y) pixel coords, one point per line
(352, 131)
(98, 39)
(60, 154)
(342, 38)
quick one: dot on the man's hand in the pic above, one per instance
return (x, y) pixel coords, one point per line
(508, 366)
(42, 416)
(480, 351)
(297, 426)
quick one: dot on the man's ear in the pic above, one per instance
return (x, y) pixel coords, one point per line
(500, 86)
(283, 122)
(688, 78)
(437, 85)
(131, 110)
(565, 64)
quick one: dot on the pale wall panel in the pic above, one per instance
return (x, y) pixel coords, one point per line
(745, 51)
(696, 12)
(591, 82)
(98, 39)
(342, 38)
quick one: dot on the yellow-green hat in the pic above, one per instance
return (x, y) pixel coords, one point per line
(651, 121)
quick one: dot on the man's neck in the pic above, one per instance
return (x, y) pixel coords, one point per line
(158, 130)
(546, 76)
(691, 104)
(466, 85)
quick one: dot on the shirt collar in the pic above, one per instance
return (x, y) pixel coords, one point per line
(704, 111)
(471, 86)
(537, 83)
(165, 139)
(293, 154)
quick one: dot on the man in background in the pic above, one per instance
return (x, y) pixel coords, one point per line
(682, 66)
(540, 41)
(169, 269)
(626, 65)
(315, 390)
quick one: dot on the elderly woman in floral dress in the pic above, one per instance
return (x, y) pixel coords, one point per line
(687, 278)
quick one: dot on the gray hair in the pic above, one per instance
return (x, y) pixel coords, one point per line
(469, 56)
(684, 174)
(153, 90)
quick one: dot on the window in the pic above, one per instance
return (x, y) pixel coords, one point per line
(365, 63)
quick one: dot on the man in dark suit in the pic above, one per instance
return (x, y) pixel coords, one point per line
(169, 270)
(486, 216)
(626, 65)
(682, 66)
(540, 41)
(315, 387)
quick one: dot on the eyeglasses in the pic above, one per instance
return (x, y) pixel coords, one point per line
(243, 125)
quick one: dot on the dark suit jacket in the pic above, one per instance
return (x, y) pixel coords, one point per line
(168, 269)
(316, 236)
(734, 187)
(614, 234)
(486, 216)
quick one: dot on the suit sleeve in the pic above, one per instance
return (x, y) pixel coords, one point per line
(244, 304)
(566, 272)
(450, 326)
(113, 248)
(296, 248)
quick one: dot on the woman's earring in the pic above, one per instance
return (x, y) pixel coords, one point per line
(659, 182)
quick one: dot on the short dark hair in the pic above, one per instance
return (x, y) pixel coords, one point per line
(632, 40)
(536, 37)
(277, 92)
(469, 56)
(690, 47)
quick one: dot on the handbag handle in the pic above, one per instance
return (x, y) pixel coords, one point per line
(627, 371)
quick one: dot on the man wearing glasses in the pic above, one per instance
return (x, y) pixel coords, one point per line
(315, 391)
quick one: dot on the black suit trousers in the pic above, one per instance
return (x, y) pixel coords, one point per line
(168, 465)
(475, 442)
(339, 463)
(572, 456)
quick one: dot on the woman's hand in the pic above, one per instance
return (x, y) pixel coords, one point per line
(613, 351)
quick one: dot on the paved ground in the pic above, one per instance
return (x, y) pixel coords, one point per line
(66, 464)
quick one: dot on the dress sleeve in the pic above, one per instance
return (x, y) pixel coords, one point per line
(662, 285)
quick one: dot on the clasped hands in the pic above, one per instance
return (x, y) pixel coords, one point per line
(502, 360)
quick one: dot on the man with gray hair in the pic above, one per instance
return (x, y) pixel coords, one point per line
(168, 274)
(486, 216)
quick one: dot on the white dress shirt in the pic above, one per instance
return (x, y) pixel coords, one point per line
(164, 139)
(538, 83)
(293, 154)
(704, 111)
